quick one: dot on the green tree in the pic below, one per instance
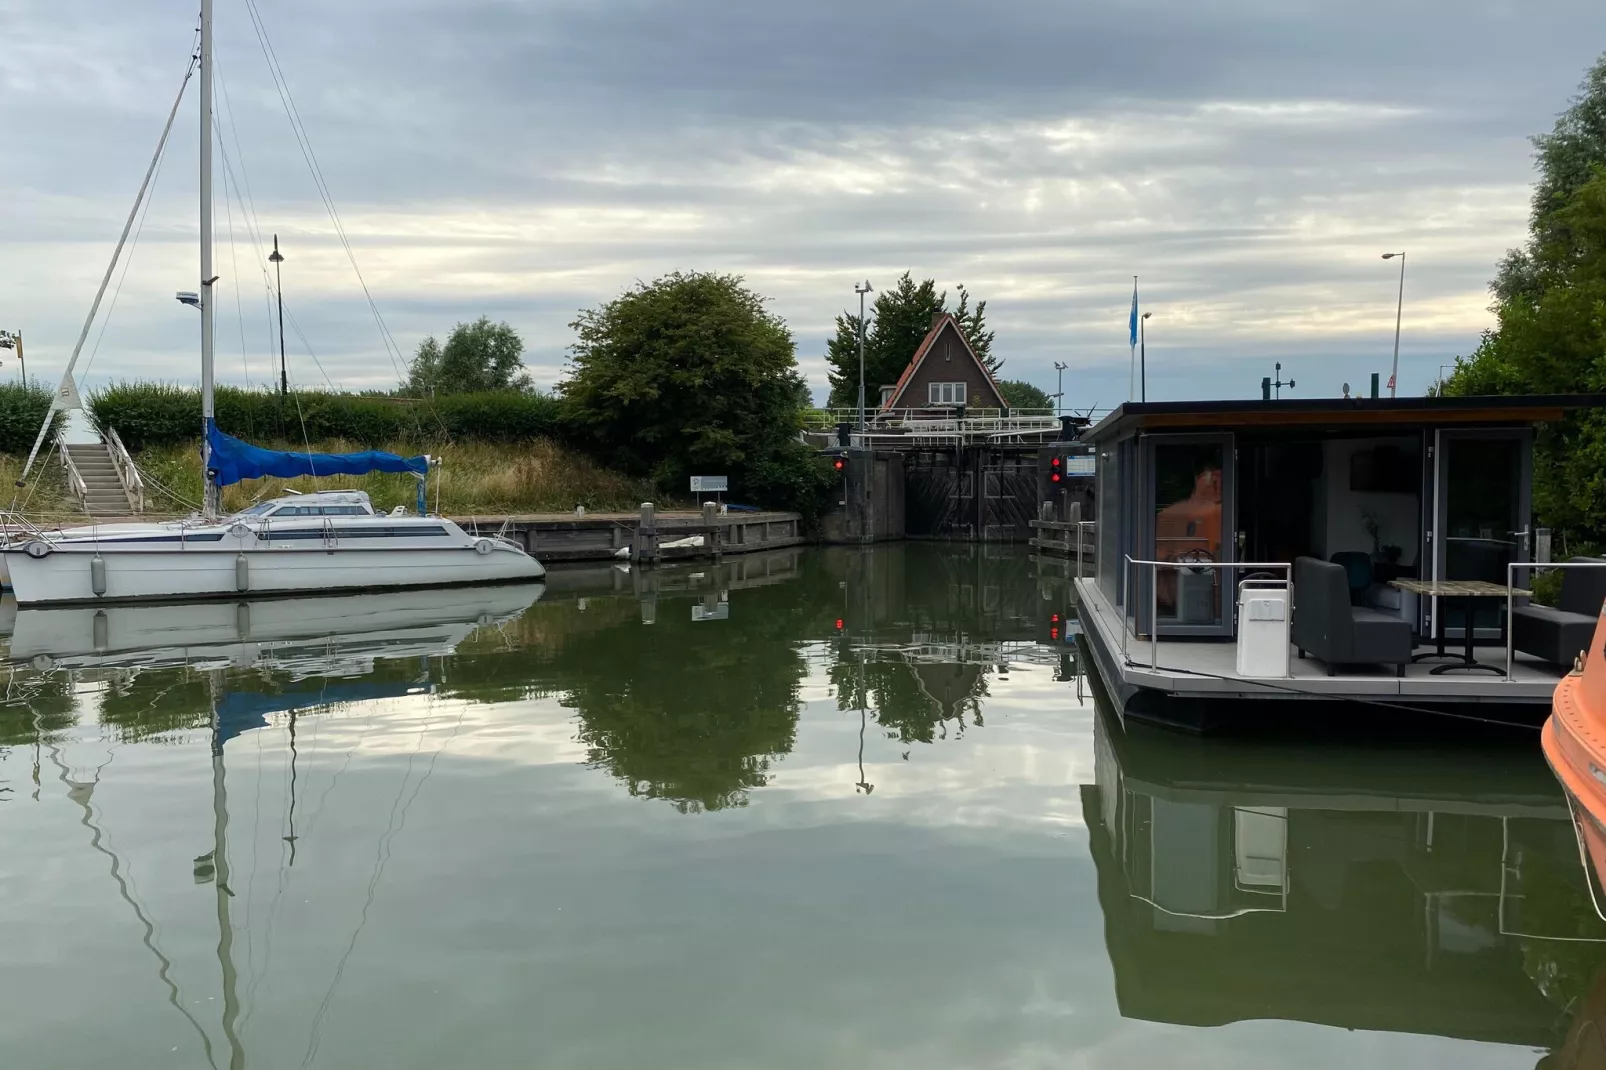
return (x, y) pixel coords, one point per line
(477, 357)
(1020, 394)
(898, 320)
(691, 374)
(1550, 333)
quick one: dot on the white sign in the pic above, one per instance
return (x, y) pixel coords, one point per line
(718, 611)
(709, 483)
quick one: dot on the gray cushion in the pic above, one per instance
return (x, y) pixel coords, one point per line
(1552, 635)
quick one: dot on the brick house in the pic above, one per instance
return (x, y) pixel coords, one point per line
(944, 374)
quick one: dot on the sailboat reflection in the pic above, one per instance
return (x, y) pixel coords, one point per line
(1348, 886)
(337, 635)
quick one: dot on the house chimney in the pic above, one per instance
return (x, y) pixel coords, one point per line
(937, 318)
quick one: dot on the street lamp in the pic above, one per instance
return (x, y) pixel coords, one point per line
(1394, 375)
(861, 291)
(1143, 359)
(275, 258)
(1059, 386)
(13, 340)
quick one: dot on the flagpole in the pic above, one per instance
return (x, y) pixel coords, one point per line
(1132, 364)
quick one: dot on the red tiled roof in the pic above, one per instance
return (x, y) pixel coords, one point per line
(925, 347)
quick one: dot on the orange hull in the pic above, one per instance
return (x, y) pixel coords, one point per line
(1574, 741)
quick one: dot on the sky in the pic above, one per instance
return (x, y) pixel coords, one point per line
(1249, 160)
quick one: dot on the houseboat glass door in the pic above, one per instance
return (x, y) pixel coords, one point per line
(1190, 477)
(1483, 487)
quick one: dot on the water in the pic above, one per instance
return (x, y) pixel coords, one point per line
(463, 832)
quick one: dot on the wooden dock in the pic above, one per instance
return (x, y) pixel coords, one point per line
(558, 537)
(1065, 538)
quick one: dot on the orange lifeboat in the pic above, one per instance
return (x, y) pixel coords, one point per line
(1574, 741)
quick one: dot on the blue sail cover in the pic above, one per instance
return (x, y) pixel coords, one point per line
(234, 460)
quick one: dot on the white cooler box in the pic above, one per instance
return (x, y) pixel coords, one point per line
(1263, 619)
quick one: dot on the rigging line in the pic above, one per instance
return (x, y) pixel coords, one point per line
(165, 968)
(122, 239)
(373, 884)
(304, 141)
(239, 309)
(133, 246)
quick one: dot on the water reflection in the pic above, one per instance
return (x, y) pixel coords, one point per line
(1364, 887)
(647, 817)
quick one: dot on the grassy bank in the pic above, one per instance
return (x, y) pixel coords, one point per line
(474, 477)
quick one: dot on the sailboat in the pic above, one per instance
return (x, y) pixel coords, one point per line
(330, 541)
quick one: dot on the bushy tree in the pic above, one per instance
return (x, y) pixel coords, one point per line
(898, 320)
(1019, 394)
(477, 357)
(1550, 334)
(691, 374)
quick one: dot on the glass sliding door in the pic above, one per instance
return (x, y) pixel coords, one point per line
(1482, 507)
(1188, 520)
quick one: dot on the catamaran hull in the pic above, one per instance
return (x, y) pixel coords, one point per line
(83, 574)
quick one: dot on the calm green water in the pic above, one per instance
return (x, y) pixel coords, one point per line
(824, 808)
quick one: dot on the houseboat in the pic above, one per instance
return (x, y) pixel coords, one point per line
(1348, 549)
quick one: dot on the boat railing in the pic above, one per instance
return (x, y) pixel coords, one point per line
(1512, 589)
(127, 471)
(1154, 567)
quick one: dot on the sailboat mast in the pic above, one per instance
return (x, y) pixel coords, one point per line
(209, 503)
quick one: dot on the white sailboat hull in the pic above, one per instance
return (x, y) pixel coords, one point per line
(68, 575)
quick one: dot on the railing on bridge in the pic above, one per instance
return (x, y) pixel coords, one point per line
(893, 428)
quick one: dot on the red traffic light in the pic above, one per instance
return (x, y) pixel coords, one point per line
(839, 464)
(839, 624)
(1054, 618)
(1055, 462)
(1055, 478)
(1053, 633)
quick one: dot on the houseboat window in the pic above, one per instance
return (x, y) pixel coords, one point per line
(947, 393)
(322, 510)
(259, 509)
(1188, 528)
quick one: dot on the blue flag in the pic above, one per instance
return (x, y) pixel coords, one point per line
(1133, 326)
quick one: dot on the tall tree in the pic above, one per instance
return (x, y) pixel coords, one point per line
(1019, 394)
(898, 320)
(1550, 333)
(691, 374)
(477, 357)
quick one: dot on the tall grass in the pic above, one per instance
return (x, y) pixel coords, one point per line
(474, 477)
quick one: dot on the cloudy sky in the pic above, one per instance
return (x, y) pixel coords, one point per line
(1249, 159)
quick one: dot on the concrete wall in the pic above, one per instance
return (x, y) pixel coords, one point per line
(1337, 516)
(873, 506)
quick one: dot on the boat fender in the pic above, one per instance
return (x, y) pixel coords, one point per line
(36, 548)
(482, 547)
(242, 573)
(100, 628)
(242, 619)
(97, 574)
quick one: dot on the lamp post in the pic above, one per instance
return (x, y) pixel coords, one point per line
(276, 258)
(13, 340)
(1394, 375)
(1059, 386)
(1143, 358)
(861, 291)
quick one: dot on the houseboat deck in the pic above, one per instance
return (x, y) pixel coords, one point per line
(1193, 669)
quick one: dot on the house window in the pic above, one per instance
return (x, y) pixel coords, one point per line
(947, 394)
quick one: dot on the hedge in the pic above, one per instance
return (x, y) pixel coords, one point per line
(162, 414)
(22, 411)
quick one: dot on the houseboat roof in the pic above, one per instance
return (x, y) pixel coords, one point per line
(1334, 414)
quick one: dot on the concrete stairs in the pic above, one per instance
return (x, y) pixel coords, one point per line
(106, 496)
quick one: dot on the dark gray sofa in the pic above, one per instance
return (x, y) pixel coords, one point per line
(1561, 633)
(1326, 625)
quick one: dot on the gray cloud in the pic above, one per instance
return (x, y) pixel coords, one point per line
(1248, 159)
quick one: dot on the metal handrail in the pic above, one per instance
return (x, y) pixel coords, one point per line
(127, 472)
(75, 479)
(1511, 592)
(1154, 590)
